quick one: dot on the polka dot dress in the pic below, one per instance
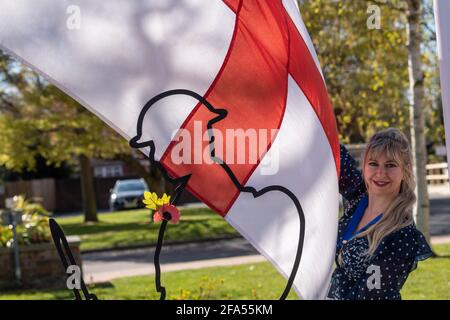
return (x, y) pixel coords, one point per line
(382, 275)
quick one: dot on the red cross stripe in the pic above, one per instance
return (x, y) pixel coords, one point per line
(252, 86)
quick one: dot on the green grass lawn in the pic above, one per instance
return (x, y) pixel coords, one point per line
(134, 227)
(252, 281)
(431, 280)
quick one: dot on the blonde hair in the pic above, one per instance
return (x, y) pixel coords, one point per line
(394, 144)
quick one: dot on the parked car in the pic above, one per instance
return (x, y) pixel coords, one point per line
(127, 194)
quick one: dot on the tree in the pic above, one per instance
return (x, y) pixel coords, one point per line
(375, 75)
(416, 79)
(37, 119)
(365, 67)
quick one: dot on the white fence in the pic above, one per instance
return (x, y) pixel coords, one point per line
(437, 173)
(437, 178)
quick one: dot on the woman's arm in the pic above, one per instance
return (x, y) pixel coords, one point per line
(351, 183)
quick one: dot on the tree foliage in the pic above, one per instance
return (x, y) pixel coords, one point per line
(366, 68)
(36, 118)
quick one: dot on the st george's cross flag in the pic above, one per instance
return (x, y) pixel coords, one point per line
(252, 58)
(442, 18)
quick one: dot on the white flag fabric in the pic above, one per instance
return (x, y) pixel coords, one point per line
(442, 18)
(253, 59)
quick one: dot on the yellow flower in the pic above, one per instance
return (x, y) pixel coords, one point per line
(153, 202)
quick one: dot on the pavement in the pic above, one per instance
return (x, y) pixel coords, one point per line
(440, 218)
(108, 265)
(105, 266)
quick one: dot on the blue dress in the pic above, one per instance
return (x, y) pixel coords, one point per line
(382, 275)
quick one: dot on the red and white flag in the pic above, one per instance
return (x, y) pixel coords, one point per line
(442, 18)
(254, 59)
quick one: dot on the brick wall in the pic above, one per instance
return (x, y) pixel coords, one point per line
(41, 267)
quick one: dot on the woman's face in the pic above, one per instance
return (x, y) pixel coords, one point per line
(383, 175)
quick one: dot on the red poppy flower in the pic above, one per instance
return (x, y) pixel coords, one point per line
(167, 209)
(157, 216)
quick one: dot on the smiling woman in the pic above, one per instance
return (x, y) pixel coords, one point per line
(383, 175)
(378, 243)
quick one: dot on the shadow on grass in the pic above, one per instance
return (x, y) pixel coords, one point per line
(59, 293)
(101, 227)
(101, 285)
(441, 257)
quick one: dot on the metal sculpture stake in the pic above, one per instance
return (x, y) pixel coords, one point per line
(62, 246)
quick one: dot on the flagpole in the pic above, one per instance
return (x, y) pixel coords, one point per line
(442, 19)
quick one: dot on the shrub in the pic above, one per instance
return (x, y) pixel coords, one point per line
(34, 227)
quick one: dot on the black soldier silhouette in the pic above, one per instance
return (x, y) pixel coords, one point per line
(180, 183)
